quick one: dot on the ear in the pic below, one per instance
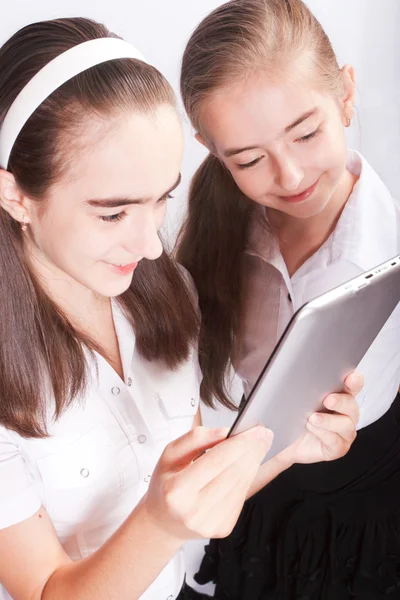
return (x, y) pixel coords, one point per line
(206, 145)
(12, 200)
(349, 92)
(200, 139)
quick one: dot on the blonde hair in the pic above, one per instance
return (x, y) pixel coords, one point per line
(246, 36)
(238, 38)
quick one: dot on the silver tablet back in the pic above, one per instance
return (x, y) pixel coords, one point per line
(323, 343)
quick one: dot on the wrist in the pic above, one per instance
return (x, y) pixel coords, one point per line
(158, 527)
(285, 459)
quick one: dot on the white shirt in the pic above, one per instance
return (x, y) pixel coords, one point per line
(367, 234)
(97, 463)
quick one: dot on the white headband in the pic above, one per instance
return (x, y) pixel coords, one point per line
(52, 76)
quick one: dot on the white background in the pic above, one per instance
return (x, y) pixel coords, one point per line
(364, 33)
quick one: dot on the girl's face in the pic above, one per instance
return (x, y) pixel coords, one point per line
(105, 214)
(282, 141)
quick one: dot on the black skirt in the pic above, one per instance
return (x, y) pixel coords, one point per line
(328, 531)
(187, 593)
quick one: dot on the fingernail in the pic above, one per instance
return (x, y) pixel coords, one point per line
(360, 380)
(263, 434)
(270, 434)
(330, 402)
(222, 432)
(316, 419)
(356, 380)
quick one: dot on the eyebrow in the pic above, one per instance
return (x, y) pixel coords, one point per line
(116, 202)
(303, 117)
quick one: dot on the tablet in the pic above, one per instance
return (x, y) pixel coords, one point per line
(323, 343)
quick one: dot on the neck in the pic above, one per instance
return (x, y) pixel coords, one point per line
(301, 238)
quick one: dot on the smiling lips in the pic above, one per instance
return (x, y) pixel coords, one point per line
(300, 197)
(123, 269)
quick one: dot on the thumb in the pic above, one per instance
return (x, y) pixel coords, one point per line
(184, 450)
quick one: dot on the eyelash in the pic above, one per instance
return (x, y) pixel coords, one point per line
(253, 163)
(113, 218)
(310, 136)
(165, 198)
(119, 216)
(302, 140)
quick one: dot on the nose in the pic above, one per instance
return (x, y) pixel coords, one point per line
(289, 173)
(141, 237)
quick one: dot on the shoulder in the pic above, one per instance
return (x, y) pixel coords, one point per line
(18, 497)
(371, 182)
(373, 196)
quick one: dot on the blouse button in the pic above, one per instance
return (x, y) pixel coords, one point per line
(85, 473)
(142, 439)
(115, 391)
(193, 402)
(129, 382)
(147, 479)
(170, 598)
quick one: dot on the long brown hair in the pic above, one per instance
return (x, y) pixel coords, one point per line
(239, 37)
(38, 345)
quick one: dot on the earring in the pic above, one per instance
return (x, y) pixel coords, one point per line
(24, 226)
(348, 121)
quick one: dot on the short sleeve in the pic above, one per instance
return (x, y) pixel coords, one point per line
(18, 497)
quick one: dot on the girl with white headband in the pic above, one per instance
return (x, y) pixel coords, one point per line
(99, 378)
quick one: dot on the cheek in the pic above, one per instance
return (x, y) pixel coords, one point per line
(55, 234)
(331, 152)
(245, 180)
(75, 240)
(253, 183)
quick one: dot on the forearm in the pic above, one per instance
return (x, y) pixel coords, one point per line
(267, 472)
(123, 568)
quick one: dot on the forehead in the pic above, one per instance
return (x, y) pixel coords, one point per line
(132, 154)
(260, 106)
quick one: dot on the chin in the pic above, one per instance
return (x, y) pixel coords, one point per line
(309, 209)
(112, 290)
(308, 213)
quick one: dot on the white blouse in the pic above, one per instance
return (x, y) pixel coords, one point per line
(367, 234)
(98, 460)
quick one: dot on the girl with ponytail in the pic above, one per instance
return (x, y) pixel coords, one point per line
(280, 212)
